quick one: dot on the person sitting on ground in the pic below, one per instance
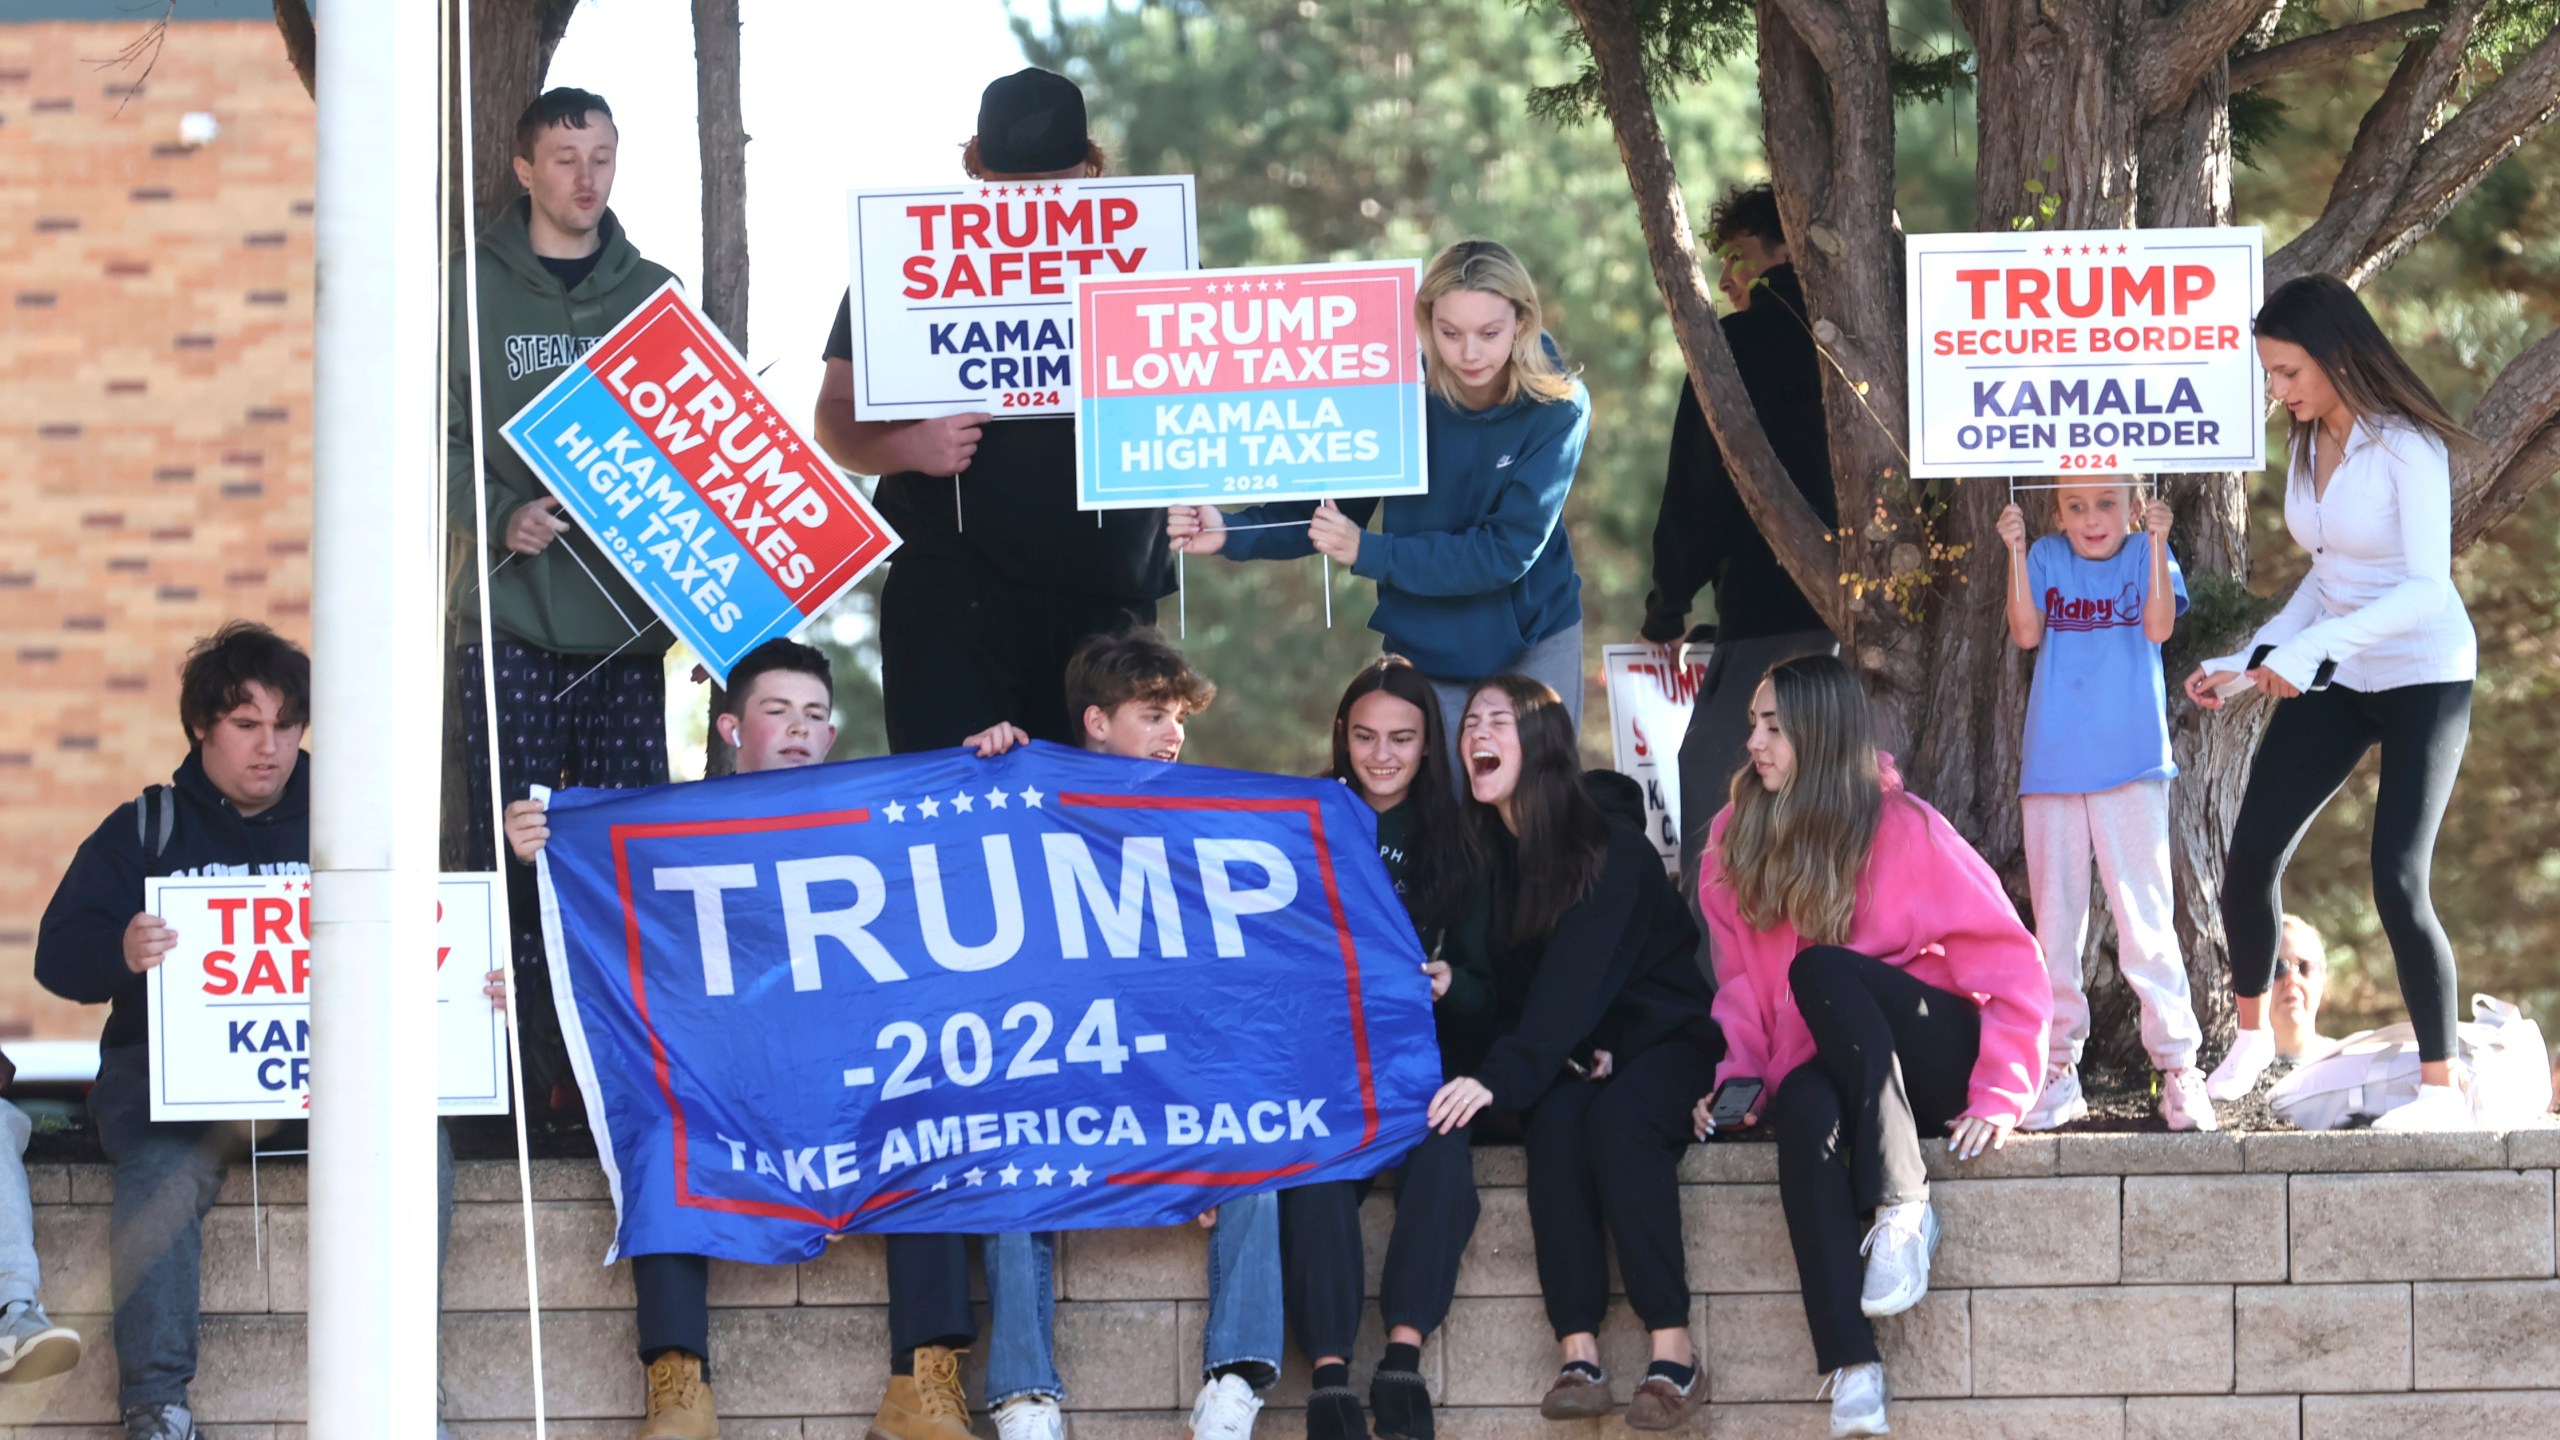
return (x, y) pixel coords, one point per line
(1388, 748)
(32, 1347)
(1603, 1041)
(1875, 978)
(1133, 695)
(777, 712)
(2293, 1003)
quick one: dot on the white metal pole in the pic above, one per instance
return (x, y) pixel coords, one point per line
(376, 691)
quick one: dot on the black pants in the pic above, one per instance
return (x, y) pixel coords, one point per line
(1893, 1064)
(558, 725)
(961, 649)
(2311, 746)
(1604, 1164)
(928, 1299)
(1321, 1265)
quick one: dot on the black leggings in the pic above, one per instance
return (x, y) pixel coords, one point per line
(2311, 746)
(1893, 1063)
(1320, 1245)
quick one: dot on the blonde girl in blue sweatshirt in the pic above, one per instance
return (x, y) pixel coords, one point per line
(1475, 577)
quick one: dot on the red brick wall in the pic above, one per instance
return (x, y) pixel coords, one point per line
(155, 438)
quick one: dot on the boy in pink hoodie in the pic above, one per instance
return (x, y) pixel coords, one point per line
(1875, 979)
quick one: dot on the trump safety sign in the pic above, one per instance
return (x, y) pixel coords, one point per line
(962, 293)
(712, 504)
(2049, 352)
(937, 994)
(231, 1005)
(1294, 382)
(1650, 700)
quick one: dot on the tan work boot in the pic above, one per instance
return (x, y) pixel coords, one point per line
(679, 1401)
(927, 1405)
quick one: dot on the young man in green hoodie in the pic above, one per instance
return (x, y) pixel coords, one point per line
(578, 660)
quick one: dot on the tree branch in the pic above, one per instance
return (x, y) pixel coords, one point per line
(301, 45)
(2518, 425)
(2331, 46)
(2493, 126)
(1820, 24)
(1775, 505)
(2182, 45)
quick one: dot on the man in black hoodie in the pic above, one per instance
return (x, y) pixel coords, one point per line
(240, 804)
(577, 658)
(1000, 577)
(1704, 536)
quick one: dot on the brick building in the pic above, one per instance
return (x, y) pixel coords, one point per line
(155, 441)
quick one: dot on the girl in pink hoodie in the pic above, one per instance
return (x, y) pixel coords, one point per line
(1876, 980)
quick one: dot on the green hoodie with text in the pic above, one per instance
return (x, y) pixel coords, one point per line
(569, 599)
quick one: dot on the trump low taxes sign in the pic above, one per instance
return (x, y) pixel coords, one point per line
(2053, 352)
(231, 1005)
(962, 293)
(1295, 382)
(712, 504)
(938, 994)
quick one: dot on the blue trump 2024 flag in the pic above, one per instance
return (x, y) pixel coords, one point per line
(937, 993)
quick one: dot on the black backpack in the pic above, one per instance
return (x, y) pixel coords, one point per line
(155, 819)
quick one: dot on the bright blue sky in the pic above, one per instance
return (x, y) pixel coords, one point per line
(839, 95)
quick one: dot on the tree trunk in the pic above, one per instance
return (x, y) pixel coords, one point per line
(721, 125)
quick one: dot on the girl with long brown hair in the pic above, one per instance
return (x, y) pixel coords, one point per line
(1875, 980)
(1602, 1043)
(2369, 492)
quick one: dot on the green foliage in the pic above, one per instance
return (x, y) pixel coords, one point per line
(1684, 43)
(2256, 118)
(1388, 129)
(1923, 76)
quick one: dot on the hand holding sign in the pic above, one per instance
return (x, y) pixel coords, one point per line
(147, 942)
(534, 526)
(1335, 537)
(1195, 529)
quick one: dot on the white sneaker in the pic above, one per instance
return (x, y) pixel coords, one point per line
(2183, 1102)
(2438, 1107)
(1898, 1251)
(2060, 1102)
(2252, 1051)
(1225, 1410)
(1857, 1401)
(32, 1347)
(1029, 1417)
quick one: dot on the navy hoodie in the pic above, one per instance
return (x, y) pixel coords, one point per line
(1478, 570)
(80, 947)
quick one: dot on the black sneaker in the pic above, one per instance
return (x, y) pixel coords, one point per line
(1333, 1413)
(1403, 1405)
(159, 1422)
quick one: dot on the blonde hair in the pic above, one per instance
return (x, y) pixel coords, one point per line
(1796, 853)
(1487, 266)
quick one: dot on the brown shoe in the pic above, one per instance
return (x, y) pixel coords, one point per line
(679, 1401)
(928, 1405)
(1660, 1405)
(1576, 1396)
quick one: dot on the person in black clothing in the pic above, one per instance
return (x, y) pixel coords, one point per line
(240, 804)
(1603, 1043)
(1000, 577)
(1703, 536)
(1388, 748)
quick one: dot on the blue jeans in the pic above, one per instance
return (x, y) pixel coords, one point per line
(1244, 1328)
(17, 1214)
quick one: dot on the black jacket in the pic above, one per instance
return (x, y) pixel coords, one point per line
(1620, 974)
(1703, 535)
(80, 946)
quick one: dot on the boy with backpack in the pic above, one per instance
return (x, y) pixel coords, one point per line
(2094, 778)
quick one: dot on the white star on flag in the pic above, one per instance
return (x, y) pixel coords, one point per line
(963, 802)
(1044, 1174)
(995, 799)
(1030, 797)
(1079, 1175)
(928, 807)
(895, 811)
(1011, 1172)
(975, 1176)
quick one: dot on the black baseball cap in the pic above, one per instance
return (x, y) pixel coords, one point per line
(1031, 122)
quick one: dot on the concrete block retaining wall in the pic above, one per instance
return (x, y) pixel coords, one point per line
(2100, 1287)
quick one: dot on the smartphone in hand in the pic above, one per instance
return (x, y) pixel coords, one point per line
(1734, 1099)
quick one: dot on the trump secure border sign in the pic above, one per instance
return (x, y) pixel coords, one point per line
(707, 498)
(2049, 352)
(934, 993)
(962, 294)
(1293, 382)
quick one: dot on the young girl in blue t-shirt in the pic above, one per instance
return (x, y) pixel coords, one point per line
(2094, 777)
